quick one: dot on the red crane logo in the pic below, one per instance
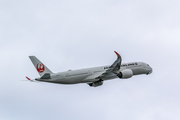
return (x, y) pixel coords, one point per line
(40, 67)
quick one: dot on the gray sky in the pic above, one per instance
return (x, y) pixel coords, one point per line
(80, 34)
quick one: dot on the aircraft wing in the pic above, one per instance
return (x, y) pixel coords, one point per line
(114, 68)
(94, 76)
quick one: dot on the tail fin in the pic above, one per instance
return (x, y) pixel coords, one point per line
(40, 67)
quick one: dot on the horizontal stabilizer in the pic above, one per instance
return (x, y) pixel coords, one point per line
(46, 76)
(29, 79)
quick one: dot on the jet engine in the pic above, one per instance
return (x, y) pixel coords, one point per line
(125, 74)
(97, 83)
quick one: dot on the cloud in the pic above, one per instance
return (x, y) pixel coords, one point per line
(79, 34)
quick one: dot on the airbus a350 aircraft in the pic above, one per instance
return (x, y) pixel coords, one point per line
(92, 76)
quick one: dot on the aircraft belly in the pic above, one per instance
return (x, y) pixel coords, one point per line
(71, 80)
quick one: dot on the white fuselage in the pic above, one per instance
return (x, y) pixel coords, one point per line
(89, 75)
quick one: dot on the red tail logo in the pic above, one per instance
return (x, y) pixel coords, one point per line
(40, 67)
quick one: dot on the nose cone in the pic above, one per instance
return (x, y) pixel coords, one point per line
(150, 70)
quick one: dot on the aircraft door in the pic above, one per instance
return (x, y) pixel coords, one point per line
(61, 77)
(89, 72)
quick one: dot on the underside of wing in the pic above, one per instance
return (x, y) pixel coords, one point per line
(93, 77)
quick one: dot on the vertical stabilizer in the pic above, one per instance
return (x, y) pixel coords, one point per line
(40, 67)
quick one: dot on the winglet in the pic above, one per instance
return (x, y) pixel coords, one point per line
(29, 79)
(117, 54)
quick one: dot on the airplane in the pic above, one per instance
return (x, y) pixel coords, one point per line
(95, 76)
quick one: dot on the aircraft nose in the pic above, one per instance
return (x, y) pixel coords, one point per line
(150, 70)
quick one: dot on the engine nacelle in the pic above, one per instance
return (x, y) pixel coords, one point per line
(125, 74)
(97, 83)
